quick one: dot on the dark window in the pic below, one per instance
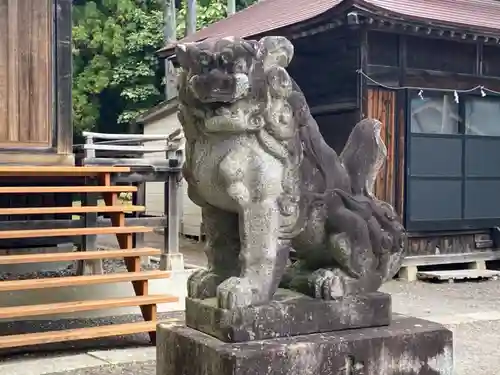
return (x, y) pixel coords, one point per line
(440, 55)
(437, 114)
(383, 49)
(482, 116)
(491, 61)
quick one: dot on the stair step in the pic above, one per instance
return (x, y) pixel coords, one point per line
(71, 307)
(77, 255)
(66, 189)
(69, 210)
(59, 171)
(59, 282)
(27, 339)
(67, 232)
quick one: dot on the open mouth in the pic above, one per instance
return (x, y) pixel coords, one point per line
(222, 108)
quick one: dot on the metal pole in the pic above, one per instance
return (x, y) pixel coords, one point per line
(231, 7)
(170, 22)
(173, 213)
(191, 17)
(171, 228)
(170, 30)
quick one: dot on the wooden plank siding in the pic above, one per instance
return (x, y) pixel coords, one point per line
(382, 106)
(26, 98)
(400, 161)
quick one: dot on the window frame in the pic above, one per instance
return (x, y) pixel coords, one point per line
(464, 222)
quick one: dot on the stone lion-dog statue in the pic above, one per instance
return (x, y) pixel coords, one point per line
(267, 182)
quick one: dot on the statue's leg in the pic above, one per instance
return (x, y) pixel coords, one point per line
(222, 250)
(254, 182)
(351, 248)
(261, 264)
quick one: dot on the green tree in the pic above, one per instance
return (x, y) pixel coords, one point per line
(208, 11)
(116, 72)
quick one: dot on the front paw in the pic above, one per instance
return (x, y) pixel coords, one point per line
(326, 284)
(203, 284)
(236, 292)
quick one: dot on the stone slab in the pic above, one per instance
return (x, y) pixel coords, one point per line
(289, 314)
(407, 346)
(457, 275)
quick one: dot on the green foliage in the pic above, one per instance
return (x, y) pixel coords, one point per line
(116, 74)
(208, 11)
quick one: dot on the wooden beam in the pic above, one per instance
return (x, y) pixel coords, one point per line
(69, 210)
(61, 282)
(63, 79)
(13, 341)
(13, 67)
(65, 189)
(17, 234)
(77, 255)
(78, 306)
(55, 171)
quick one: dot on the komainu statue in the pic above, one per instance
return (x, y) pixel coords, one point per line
(267, 182)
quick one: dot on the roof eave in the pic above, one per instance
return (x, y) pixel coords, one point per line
(169, 50)
(382, 14)
(161, 110)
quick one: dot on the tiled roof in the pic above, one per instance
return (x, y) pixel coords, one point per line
(474, 14)
(268, 15)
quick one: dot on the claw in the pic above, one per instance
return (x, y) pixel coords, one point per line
(236, 292)
(203, 284)
(326, 284)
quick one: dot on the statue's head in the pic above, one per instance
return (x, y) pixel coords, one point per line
(220, 73)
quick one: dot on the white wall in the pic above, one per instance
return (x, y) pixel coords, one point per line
(191, 213)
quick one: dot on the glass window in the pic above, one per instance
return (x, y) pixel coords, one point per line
(482, 116)
(437, 114)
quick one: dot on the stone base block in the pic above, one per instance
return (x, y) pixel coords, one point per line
(406, 346)
(288, 314)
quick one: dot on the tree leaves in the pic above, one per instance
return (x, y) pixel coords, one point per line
(116, 74)
(114, 44)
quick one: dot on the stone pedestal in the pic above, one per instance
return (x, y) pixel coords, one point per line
(407, 346)
(296, 335)
(289, 314)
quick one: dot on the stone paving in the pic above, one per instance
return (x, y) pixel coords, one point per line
(470, 309)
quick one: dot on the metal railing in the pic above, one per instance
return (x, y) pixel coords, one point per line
(132, 150)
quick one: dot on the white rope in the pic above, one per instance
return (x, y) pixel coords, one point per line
(483, 89)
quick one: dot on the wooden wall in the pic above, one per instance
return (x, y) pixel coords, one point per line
(324, 66)
(26, 99)
(381, 105)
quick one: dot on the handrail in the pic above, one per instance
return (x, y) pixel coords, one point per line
(167, 169)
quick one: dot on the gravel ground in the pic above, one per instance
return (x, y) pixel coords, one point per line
(476, 342)
(477, 337)
(143, 368)
(476, 353)
(425, 299)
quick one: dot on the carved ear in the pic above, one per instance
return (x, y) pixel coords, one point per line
(182, 55)
(275, 50)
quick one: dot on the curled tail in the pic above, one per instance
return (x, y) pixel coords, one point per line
(364, 155)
